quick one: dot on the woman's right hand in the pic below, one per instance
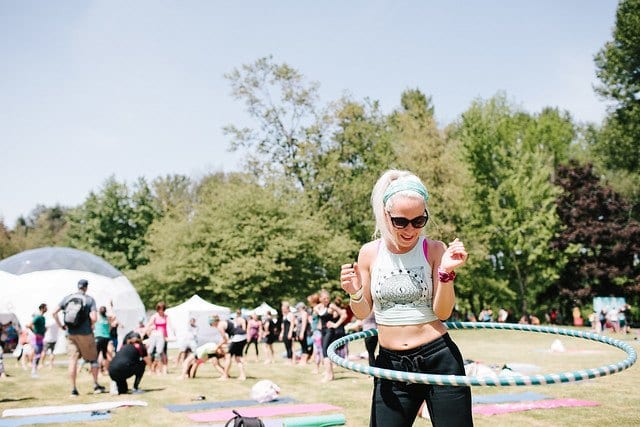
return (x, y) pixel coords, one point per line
(350, 278)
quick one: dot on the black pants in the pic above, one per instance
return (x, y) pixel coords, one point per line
(396, 404)
(370, 343)
(120, 374)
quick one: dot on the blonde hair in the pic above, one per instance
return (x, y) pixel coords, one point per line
(380, 208)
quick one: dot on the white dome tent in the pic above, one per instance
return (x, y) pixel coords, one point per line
(46, 275)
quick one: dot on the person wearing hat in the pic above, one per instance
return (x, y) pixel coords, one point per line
(131, 360)
(80, 314)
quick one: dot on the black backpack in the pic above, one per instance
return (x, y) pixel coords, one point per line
(74, 310)
(240, 421)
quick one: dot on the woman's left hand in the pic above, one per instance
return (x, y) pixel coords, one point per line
(454, 256)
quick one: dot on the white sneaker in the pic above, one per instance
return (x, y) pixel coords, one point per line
(113, 388)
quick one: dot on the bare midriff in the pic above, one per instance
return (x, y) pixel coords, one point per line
(406, 337)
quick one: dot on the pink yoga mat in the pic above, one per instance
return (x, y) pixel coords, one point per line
(505, 408)
(262, 411)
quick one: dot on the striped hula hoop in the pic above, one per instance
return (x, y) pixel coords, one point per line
(461, 380)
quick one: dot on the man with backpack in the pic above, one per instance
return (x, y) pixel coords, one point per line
(79, 316)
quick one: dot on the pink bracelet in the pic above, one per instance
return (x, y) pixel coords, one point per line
(446, 277)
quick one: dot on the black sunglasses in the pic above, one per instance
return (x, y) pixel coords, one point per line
(417, 222)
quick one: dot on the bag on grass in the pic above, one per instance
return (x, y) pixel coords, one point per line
(240, 421)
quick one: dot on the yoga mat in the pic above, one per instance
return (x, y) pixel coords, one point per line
(224, 404)
(266, 411)
(316, 421)
(508, 397)
(76, 417)
(62, 409)
(310, 421)
(506, 408)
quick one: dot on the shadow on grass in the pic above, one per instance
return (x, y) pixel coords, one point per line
(16, 400)
(149, 390)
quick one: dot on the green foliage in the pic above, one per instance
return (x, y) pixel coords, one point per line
(7, 248)
(243, 244)
(618, 68)
(45, 226)
(360, 149)
(113, 223)
(434, 156)
(512, 199)
(289, 127)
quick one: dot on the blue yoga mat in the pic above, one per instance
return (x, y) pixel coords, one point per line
(200, 406)
(509, 397)
(55, 418)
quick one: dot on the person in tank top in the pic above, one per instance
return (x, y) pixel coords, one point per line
(407, 280)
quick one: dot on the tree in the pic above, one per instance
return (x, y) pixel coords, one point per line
(243, 244)
(511, 210)
(434, 156)
(618, 68)
(360, 149)
(44, 226)
(333, 157)
(7, 248)
(278, 97)
(173, 194)
(113, 223)
(600, 241)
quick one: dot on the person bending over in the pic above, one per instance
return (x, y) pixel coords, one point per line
(130, 361)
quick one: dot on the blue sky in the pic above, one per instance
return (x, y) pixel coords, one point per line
(91, 89)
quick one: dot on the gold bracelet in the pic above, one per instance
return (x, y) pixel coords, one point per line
(359, 300)
(357, 296)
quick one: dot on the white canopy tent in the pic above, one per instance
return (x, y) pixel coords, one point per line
(199, 309)
(47, 275)
(265, 308)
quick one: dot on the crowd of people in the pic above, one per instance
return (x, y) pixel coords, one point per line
(306, 329)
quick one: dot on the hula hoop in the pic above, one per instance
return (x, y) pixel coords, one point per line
(461, 380)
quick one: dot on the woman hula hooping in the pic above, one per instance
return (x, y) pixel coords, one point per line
(408, 282)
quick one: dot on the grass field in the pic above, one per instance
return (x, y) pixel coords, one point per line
(618, 394)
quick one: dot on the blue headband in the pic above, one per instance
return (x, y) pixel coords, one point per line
(404, 185)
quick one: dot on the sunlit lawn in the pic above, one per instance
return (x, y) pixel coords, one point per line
(618, 394)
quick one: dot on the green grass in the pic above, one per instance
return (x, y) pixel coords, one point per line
(617, 394)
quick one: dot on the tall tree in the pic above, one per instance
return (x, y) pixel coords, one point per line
(600, 241)
(332, 154)
(432, 154)
(113, 223)
(7, 248)
(284, 105)
(243, 244)
(511, 198)
(44, 226)
(360, 148)
(173, 194)
(618, 68)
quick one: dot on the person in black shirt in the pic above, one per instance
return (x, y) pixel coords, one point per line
(129, 361)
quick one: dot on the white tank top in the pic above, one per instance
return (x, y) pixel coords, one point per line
(402, 287)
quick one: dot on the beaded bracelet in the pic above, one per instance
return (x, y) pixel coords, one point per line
(446, 277)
